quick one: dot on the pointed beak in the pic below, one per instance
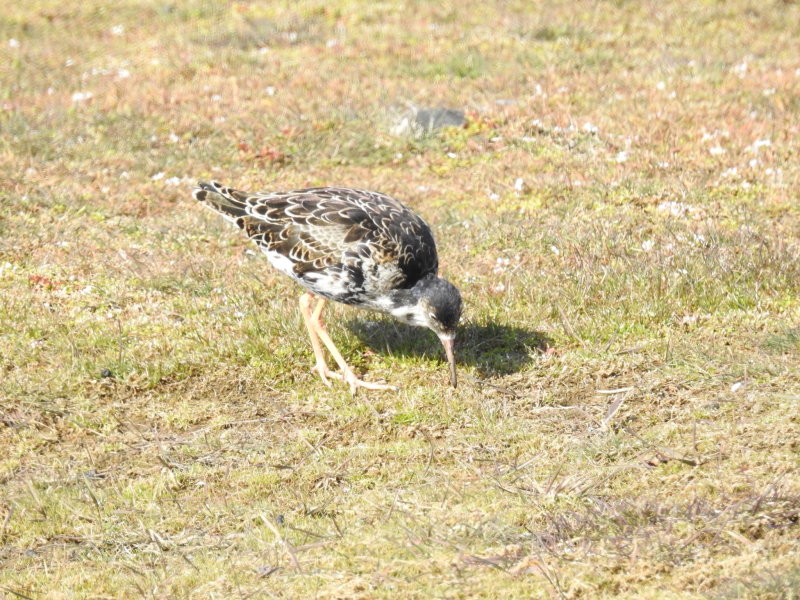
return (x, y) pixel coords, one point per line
(448, 341)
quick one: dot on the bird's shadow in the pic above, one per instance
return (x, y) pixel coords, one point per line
(492, 349)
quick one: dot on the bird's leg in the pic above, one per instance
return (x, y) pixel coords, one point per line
(321, 366)
(347, 373)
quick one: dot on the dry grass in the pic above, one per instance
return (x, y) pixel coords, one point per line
(628, 421)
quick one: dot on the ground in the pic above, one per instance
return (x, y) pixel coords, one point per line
(620, 211)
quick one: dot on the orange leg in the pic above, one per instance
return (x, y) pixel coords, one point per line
(317, 331)
(321, 366)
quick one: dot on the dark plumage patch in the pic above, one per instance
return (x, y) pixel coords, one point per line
(443, 298)
(446, 302)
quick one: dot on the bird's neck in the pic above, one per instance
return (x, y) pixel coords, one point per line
(400, 298)
(401, 302)
(410, 296)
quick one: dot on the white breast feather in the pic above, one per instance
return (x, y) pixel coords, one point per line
(280, 262)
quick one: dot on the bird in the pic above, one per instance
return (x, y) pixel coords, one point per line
(353, 246)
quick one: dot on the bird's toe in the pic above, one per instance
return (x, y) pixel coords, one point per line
(325, 374)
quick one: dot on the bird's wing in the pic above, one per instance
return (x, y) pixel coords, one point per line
(315, 233)
(321, 228)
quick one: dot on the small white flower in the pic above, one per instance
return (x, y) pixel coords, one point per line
(769, 171)
(753, 163)
(263, 50)
(621, 156)
(13, 43)
(740, 69)
(123, 73)
(270, 90)
(676, 209)
(730, 172)
(500, 287)
(736, 386)
(238, 314)
(173, 181)
(69, 62)
(746, 185)
(716, 150)
(173, 138)
(661, 86)
(590, 127)
(124, 175)
(664, 164)
(501, 265)
(519, 185)
(648, 245)
(769, 92)
(117, 30)
(158, 176)
(494, 196)
(452, 155)
(554, 249)
(81, 96)
(332, 43)
(216, 98)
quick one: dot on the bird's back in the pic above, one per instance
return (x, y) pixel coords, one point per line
(349, 245)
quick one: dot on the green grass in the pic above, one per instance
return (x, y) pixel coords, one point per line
(627, 420)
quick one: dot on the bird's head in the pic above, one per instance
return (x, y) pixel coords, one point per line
(438, 307)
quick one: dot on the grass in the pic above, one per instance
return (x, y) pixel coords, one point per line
(620, 212)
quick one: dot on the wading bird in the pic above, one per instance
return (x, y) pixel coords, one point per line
(352, 246)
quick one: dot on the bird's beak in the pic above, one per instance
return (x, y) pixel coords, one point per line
(447, 342)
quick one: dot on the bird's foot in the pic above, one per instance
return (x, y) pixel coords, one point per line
(350, 379)
(324, 373)
(355, 383)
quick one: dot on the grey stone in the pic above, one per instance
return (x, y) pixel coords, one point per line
(418, 122)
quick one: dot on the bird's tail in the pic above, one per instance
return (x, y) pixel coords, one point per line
(230, 203)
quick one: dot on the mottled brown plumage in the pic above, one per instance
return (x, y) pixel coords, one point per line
(351, 246)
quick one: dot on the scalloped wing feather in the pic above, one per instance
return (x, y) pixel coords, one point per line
(368, 237)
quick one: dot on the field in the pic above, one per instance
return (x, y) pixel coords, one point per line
(620, 210)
